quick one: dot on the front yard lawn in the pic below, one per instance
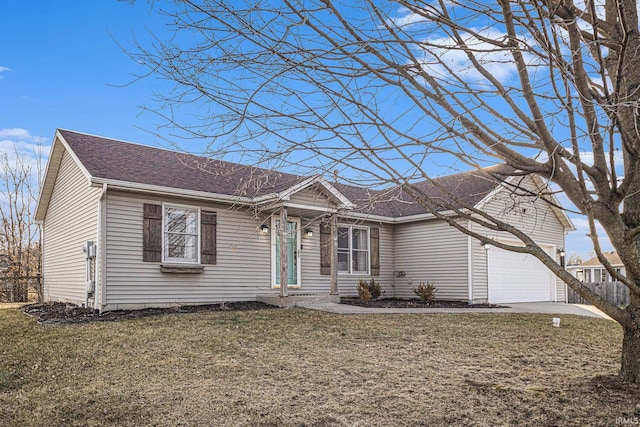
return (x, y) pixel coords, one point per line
(302, 367)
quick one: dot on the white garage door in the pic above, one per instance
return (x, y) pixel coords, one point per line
(515, 277)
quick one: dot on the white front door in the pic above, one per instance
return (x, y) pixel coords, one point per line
(293, 252)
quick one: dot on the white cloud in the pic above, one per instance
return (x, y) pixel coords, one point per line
(22, 135)
(18, 143)
(587, 158)
(15, 133)
(11, 147)
(445, 56)
(442, 55)
(430, 11)
(406, 17)
(2, 70)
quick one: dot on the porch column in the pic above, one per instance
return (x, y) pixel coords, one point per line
(334, 254)
(284, 238)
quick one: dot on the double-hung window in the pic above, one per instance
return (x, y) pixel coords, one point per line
(181, 234)
(353, 250)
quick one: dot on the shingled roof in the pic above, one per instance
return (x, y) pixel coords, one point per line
(117, 160)
(611, 256)
(465, 188)
(110, 159)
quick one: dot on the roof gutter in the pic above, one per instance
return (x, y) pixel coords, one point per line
(193, 194)
(396, 220)
(157, 189)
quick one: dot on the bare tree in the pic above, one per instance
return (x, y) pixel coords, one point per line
(574, 259)
(19, 236)
(385, 91)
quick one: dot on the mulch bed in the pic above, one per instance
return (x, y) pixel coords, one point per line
(414, 303)
(58, 312)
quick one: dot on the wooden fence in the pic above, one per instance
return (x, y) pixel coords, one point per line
(20, 289)
(614, 292)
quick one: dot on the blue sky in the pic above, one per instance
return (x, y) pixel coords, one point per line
(61, 67)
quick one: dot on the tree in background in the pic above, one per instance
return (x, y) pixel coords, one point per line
(385, 92)
(19, 236)
(574, 259)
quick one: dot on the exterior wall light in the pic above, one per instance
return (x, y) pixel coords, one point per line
(308, 232)
(264, 229)
(486, 245)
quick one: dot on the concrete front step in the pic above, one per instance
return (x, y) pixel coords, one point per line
(297, 300)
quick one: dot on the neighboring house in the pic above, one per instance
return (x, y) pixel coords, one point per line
(592, 270)
(168, 228)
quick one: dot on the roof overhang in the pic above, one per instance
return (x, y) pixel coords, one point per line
(137, 187)
(339, 199)
(58, 148)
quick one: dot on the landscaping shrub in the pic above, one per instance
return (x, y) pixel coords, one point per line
(426, 291)
(374, 289)
(363, 291)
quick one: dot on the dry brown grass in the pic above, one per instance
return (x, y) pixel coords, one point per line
(300, 367)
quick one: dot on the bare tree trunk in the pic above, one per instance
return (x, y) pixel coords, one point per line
(284, 258)
(630, 363)
(334, 255)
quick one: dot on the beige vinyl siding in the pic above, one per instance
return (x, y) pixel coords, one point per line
(310, 197)
(314, 282)
(70, 220)
(242, 271)
(535, 218)
(479, 274)
(243, 259)
(432, 251)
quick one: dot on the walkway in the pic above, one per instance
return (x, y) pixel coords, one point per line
(528, 307)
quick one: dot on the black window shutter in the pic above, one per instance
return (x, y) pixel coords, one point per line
(152, 233)
(374, 237)
(325, 249)
(208, 225)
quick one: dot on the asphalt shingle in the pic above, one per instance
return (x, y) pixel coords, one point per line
(123, 161)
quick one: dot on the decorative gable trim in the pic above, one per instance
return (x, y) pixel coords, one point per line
(341, 201)
(499, 187)
(537, 180)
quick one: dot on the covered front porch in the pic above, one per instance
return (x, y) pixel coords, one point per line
(315, 243)
(307, 246)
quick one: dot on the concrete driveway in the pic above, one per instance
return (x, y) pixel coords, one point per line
(523, 307)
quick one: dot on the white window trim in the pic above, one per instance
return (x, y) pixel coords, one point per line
(351, 272)
(198, 232)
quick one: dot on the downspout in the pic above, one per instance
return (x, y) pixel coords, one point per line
(101, 251)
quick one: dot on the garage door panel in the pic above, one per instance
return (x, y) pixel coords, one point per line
(516, 277)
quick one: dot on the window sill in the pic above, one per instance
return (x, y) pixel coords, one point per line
(182, 268)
